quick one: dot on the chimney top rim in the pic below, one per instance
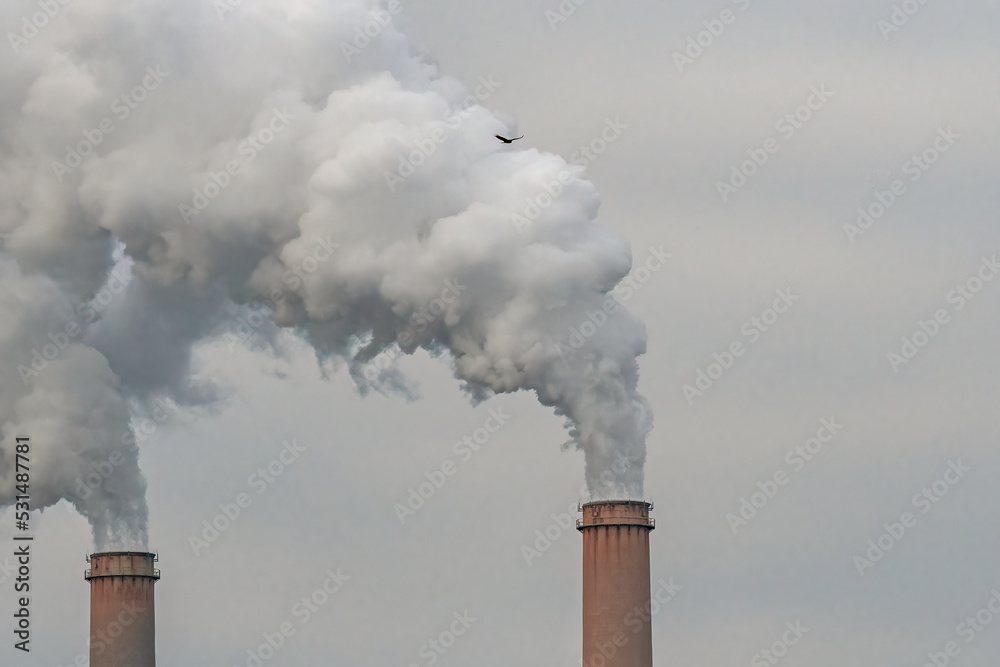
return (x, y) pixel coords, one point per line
(591, 503)
(152, 555)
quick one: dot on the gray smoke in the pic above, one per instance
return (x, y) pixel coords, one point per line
(271, 157)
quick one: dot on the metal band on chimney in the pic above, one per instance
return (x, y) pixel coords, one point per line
(616, 513)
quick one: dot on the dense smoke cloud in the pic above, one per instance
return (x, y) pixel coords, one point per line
(265, 155)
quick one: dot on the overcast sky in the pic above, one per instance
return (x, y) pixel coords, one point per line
(911, 110)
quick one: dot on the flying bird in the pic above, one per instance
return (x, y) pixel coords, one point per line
(508, 141)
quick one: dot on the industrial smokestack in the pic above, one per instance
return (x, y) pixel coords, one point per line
(616, 602)
(122, 622)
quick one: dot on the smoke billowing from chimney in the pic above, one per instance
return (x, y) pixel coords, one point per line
(260, 158)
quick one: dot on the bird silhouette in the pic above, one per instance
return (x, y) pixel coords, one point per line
(506, 140)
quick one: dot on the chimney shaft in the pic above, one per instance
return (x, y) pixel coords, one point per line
(616, 603)
(122, 620)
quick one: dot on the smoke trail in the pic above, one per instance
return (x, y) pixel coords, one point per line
(267, 155)
(68, 401)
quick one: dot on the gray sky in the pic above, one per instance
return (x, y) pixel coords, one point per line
(826, 358)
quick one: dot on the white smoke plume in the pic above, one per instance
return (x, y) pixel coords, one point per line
(260, 154)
